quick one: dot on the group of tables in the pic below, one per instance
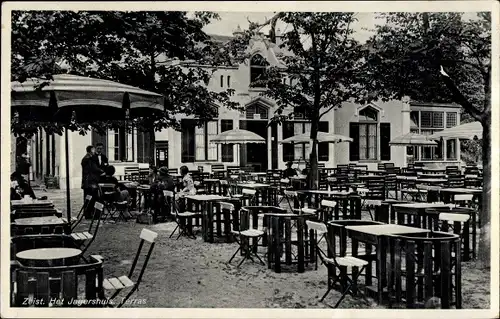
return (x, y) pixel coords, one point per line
(43, 224)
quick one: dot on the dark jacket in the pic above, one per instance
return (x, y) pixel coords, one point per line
(104, 161)
(90, 172)
(289, 172)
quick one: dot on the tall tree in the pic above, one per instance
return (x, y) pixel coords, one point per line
(437, 57)
(144, 49)
(326, 66)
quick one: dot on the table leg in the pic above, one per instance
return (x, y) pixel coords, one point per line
(381, 268)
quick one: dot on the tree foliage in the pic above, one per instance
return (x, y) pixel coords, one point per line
(438, 57)
(144, 49)
(325, 63)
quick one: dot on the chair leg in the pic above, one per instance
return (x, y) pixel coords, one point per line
(351, 283)
(176, 227)
(327, 291)
(234, 255)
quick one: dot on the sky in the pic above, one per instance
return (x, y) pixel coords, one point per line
(229, 21)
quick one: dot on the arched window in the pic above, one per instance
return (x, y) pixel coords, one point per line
(258, 67)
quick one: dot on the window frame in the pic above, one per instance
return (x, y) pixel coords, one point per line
(206, 142)
(263, 66)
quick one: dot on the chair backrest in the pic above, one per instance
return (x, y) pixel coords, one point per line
(217, 167)
(225, 205)
(456, 181)
(94, 225)
(81, 213)
(173, 171)
(289, 193)
(319, 227)
(248, 191)
(376, 188)
(388, 165)
(149, 237)
(328, 203)
(133, 170)
(42, 283)
(463, 197)
(381, 166)
(321, 165)
(454, 217)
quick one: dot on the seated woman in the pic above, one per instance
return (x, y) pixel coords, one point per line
(187, 188)
(121, 194)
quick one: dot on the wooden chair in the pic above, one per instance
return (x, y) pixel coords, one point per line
(117, 284)
(388, 165)
(376, 193)
(180, 217)
(381, 166)
(84, 239)
(342, 263)
(455, 181)
(243, 238)
(173, 171)
(429, 265)
(458, 222)
(327, 211)
(247, 197)
(391, 186)
(45, 284)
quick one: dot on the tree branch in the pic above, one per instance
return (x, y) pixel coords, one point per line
(459, 97)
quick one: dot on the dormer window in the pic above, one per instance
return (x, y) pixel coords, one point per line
(258, 67)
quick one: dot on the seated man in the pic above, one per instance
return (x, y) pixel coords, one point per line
(19, 187)
(289, 171)
(162, 182)
(121, 194)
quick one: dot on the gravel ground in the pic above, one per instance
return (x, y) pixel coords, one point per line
(188, 273)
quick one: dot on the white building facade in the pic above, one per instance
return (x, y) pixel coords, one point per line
(371, 126)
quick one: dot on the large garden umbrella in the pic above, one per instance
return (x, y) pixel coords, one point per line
(239, 137)
(412, 139)
(85, 99)
(467, 131)
(322, 137)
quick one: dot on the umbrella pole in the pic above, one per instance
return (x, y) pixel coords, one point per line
(68, 196)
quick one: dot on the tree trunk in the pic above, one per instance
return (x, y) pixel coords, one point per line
(313, 176)
(152, 87)
(485, 213)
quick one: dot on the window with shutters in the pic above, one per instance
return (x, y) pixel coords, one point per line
(368, 136)
(122, 145)
(227, 149)
(196, 145)
(143, 147)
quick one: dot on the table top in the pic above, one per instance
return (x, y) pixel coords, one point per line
(431, 180)
(433, 169)
(461, 190)
(211, 180)
(324, 192)
(298, 177)
(422, 205)
(387, 229)
(34, 202)
(143, 187)
(44, 220)
(206, 197)
(253, 185)
(406, 178)
(432, 176)
(258, 174)
(48, 253)
(370, 176)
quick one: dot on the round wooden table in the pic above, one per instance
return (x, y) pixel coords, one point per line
(48, 257)
(39, 221)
